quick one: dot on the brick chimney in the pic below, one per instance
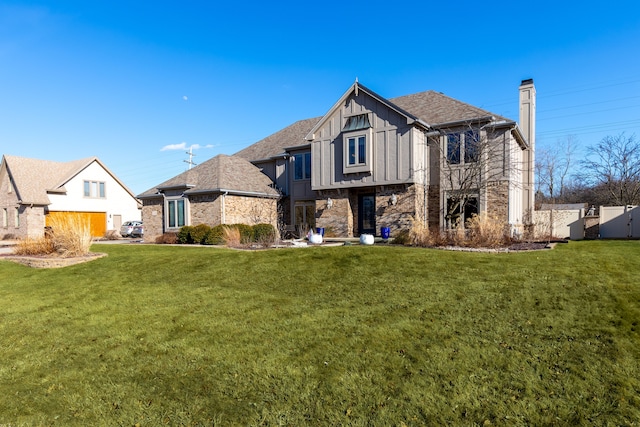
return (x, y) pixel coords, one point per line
(528, 128)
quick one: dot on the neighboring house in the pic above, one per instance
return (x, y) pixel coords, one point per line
(222, 190)
(33, 191)
(373, 162)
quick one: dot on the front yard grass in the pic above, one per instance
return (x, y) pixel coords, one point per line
(159, 335)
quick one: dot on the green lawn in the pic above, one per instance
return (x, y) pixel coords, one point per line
(357, 335)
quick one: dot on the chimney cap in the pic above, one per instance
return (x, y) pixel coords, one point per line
(526, 82)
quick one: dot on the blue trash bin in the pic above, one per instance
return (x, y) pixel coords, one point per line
(385, 232)
(320, 231)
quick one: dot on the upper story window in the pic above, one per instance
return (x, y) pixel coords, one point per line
(176, 213)
(357, 142)
(471, 146)
(357, 148)
(463, 145)
(302, 166)
(95, 189)
(453, 148)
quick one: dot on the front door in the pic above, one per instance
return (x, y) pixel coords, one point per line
(367, 214)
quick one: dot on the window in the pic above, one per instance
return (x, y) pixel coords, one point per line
(17, 217)
(460, 210)
(471, 148)
(463, 145)
(302, 166)
(305, 215)
(357, 150)
(453, 148)
(176, 213)
(95, 189)
(356, 140)
(5, 217)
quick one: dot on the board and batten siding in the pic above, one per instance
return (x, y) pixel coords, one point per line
(398, 149)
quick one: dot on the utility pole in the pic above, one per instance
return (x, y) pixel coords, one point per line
(190, 161)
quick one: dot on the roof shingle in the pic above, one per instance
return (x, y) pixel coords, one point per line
(220, 173)
(33, 178)
(431, 107)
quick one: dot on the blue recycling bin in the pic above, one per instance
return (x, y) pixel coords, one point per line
(385, 232)
(320, 231)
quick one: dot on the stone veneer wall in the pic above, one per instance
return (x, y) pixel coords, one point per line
(498, 200)
(32, 222)
(433, 201)
(342, 219)
(205, 209)
(152, 219)
(410, 203)
(250, 210)
(35, 221)
(592, 227)
(338, 220)
(9, 201)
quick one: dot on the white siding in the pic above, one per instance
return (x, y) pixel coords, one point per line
(117, 200)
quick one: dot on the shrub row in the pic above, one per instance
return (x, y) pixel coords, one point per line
(480, 231)
(218, 235)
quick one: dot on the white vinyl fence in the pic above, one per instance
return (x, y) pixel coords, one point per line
(619, 222)
(614, 222)
(563, 224)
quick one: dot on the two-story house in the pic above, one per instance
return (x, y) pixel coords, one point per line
(373, 162)
(33, 191)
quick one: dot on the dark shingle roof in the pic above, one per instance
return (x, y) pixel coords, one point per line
(436, 108)
(431, 107)
(275, 144)
(218, 174)
(33, 178)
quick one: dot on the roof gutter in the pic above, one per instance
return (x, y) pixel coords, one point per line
(464, 122)
(226, 191)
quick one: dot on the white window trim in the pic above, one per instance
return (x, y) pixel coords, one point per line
(187, 214)
(94, 189)
(358, 167)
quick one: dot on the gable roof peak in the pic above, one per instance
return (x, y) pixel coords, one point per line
(35, 178)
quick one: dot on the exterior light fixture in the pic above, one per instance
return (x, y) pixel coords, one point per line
(329, 203)
(393, 200)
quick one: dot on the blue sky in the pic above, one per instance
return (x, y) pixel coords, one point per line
(137, 83)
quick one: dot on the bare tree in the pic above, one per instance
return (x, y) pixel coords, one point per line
(613, 164)
(553, 167)
(474, 158)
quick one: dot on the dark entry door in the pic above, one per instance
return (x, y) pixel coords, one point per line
(367, 214)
